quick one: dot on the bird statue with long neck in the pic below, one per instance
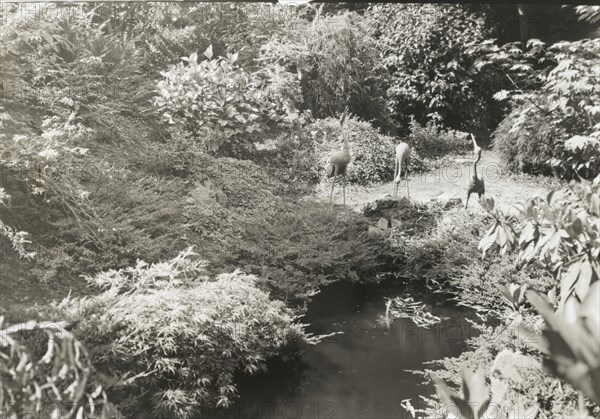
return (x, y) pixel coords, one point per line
(402, 160)
(476, 185)
(476, 148)
(338, 163)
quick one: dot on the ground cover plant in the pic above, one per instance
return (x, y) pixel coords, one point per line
(177, 301)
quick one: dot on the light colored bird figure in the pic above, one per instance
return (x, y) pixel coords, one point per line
(476, 148)
(402, 160)
(476, 185)
(338, 163)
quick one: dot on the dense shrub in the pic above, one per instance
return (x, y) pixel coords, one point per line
(559, 234)
(302, 247)
(533, 137)
(86, 214)
(474, 287)
(137, 192)
(426, 51)
(292, 155)
(219, 102)
(133, 215)
(529, 141)
(529, 149)
(439, 255)
(175, 155)
(432, 141)
(67, 64)
(181, 335)
(336, 59)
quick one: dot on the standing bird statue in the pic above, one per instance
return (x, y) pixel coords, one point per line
(338, 163)
(476, 185)
(402, 160)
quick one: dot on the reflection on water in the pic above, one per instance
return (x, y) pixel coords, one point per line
(359, 374)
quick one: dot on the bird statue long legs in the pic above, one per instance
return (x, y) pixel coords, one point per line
(341, 171)
(402, 160)
(338, 163)
(476, 185)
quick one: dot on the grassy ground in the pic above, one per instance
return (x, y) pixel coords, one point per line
(20, 293)
(452, 179)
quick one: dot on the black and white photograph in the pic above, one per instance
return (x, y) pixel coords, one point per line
(294, 209)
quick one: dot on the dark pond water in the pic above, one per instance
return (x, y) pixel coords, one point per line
(361, 373)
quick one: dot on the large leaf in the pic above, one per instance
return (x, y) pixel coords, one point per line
(574, 353)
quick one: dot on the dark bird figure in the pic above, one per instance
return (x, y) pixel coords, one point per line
(338, 163)
(476, 185)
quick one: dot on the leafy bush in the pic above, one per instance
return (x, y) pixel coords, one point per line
(528, 149)
(445, 258)
(432, 141)
(473, 287)
(561, 235)
(207, 329)
(426, 51)
(440, 248)
(336, 58)
(221, 104)
(495, 352)
(57, 380)
(533, 137)
(578, 156)
(203, 96)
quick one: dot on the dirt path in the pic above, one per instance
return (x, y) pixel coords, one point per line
(452, 180)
